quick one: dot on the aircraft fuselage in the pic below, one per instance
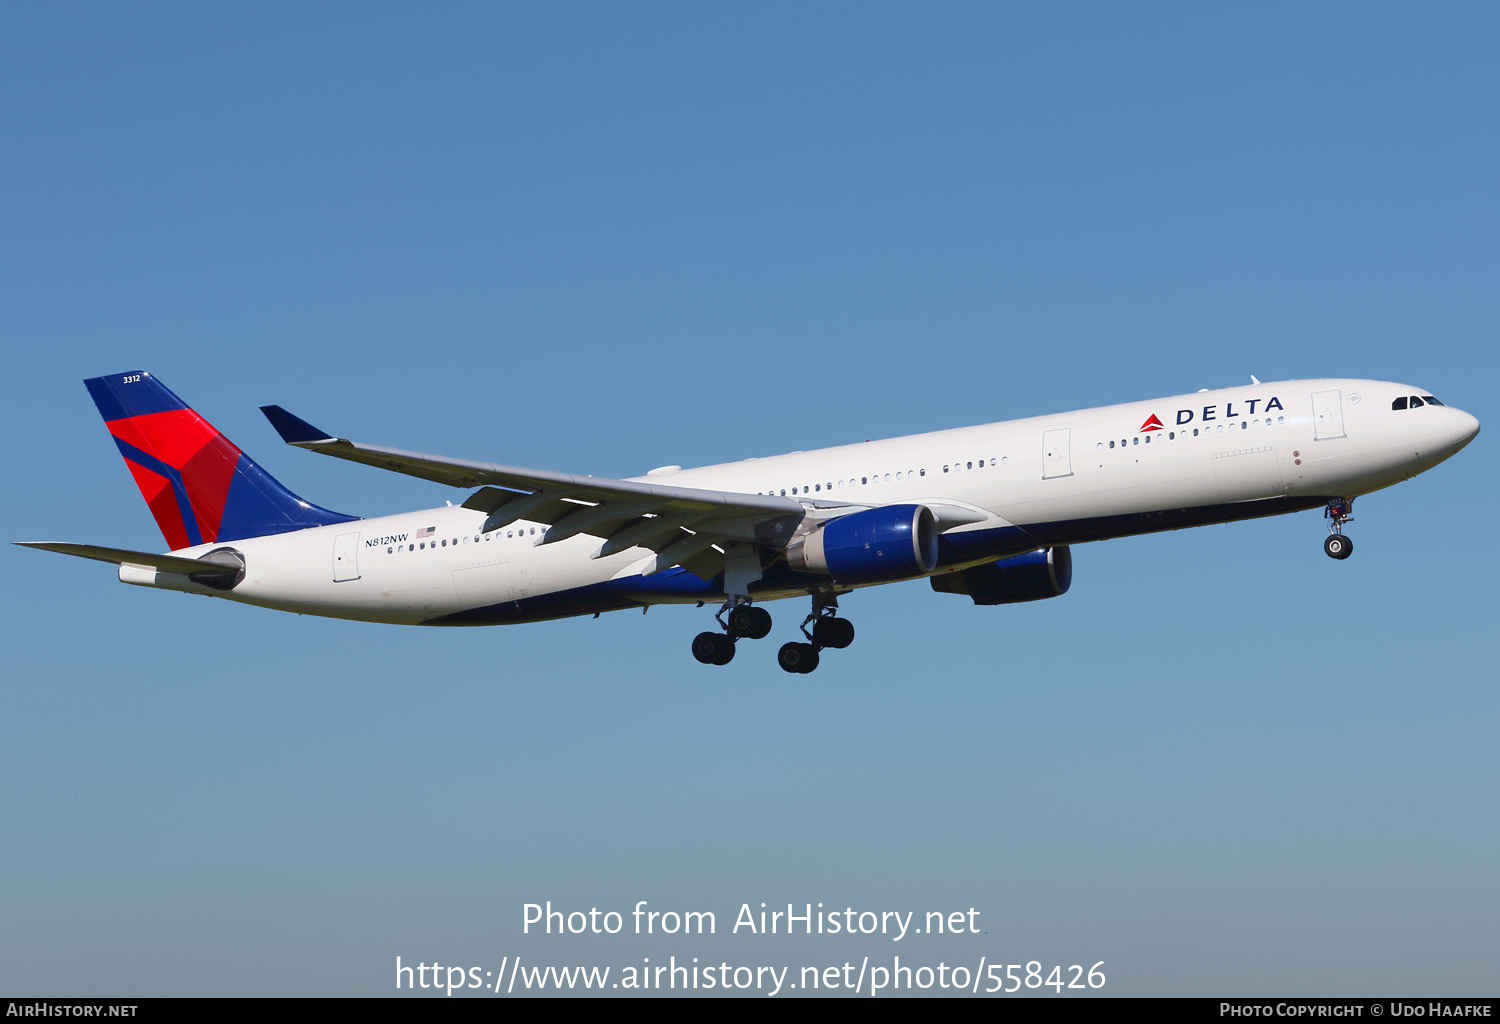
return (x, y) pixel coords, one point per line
(1014, 486)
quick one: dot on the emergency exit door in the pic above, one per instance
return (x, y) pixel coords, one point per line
(346, 557)
(1057, 460)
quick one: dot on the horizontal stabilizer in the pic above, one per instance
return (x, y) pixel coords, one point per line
(120, 556)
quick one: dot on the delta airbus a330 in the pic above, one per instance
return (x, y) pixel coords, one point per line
(988, 512)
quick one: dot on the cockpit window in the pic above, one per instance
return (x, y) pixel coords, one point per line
(1399, 403)
(1416, 402)
(1430, 400)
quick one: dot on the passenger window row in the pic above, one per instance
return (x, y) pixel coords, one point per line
(1172, 435)
(424, 545)
(876, 478)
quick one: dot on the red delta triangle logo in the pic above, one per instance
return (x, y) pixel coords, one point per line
(1151, 424)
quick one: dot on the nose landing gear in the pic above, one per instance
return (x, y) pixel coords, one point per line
(1338, 512)
(1338, 546)
(828, 630)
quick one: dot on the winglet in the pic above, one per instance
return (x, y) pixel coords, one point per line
(293, 429)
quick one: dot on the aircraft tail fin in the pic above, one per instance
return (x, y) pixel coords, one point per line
(200, 487)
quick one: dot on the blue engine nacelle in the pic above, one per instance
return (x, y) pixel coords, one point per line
(887, 543)
(1029, 577)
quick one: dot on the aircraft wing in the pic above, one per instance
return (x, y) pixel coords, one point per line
(145, 559)
(680, 523)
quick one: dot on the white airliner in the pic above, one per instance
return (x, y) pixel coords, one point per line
(988, 512)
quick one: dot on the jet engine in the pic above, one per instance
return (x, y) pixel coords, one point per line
(886, 543)
(1046, 572)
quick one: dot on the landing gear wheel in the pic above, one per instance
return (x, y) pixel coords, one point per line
(713, 648)
(1338, 546)
(749, 622)
(726, 650)
(798, 658)
(705, 647)
(835, 633)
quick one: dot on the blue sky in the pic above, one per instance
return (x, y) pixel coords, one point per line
(600, 239)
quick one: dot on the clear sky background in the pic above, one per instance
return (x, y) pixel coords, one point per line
(601, 238)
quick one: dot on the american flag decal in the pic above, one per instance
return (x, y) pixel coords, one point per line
(426, 531)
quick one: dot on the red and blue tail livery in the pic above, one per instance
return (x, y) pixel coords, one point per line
(201, 488)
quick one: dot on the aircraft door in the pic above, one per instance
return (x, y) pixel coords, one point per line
(346, 557)
(1328, 415)
(1057, 457)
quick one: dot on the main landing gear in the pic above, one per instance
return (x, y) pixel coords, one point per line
(828, 630)
(744, 621)
(1339, 512)
(739, 621)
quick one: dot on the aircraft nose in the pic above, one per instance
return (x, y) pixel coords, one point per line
(1465, 428)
